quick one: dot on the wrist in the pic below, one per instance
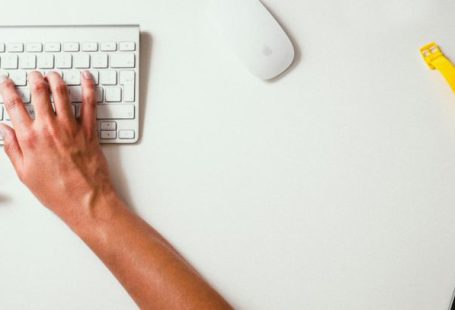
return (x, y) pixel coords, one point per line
(96, 209)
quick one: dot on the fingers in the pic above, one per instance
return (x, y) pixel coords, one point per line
(13, 104)
(41, 99)
(61, 96)
(11, 146)
(88, 109)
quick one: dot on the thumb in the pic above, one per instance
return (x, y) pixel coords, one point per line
(11, 146)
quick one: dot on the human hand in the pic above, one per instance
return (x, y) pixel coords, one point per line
(60, 160)
(57, 156)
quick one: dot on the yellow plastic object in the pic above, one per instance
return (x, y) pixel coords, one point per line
(436, 60)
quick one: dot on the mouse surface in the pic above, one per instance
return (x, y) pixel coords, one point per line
(254, 35)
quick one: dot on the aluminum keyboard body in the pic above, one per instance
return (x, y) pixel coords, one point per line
(110, 53)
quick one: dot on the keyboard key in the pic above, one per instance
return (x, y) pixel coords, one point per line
(128, 92)
(45, 61)
(89, 46)
(108, 77)
(108, 126)
(99, 94)
(63, 61)
(27, 61)
(124, 60)
(52, 47)
(126, 134)
(24, 92)
(6, 116)
(34, 47)
(14, 47)
(127, 46)
(72, 77)
(2, 47)
(113, 94)
(31, 110)
(19, 77)
(9, 61)
(73, 109)
(94, 75)
(99, 60)
(127, 79)
(77, 110)
(81, 61)
(71, 47)
(75, 93)
(108, 134)
(115, 111)
(108, 46)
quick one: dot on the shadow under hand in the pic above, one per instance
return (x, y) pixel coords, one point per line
(4, 199)
(114, 152)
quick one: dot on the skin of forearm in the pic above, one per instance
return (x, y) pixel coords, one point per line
(150, 269)
(58, 157)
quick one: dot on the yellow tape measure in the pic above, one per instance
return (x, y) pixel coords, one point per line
(436, 60)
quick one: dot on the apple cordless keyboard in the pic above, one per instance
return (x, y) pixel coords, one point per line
(109, 52)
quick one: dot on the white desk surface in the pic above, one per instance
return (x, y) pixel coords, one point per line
(331, 188)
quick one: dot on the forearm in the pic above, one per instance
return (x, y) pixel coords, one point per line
(58, 157)
(149, 268)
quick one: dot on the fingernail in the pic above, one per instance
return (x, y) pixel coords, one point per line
(3, 78)
(87, 75)
(31, 76)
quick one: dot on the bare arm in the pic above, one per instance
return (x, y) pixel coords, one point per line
(59, 159)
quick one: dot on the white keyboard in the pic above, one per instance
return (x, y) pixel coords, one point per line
(110, 53)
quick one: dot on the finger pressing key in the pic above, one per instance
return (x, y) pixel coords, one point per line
(61, 96)
(41, 96)
(14, 105)
(88, 110)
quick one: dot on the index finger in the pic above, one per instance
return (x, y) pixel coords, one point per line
(13, 104)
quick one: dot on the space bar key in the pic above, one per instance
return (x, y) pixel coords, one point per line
(115, 111)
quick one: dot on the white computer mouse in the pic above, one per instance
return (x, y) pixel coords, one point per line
(254, 35)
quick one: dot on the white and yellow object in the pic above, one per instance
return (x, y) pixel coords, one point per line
(436, 60)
